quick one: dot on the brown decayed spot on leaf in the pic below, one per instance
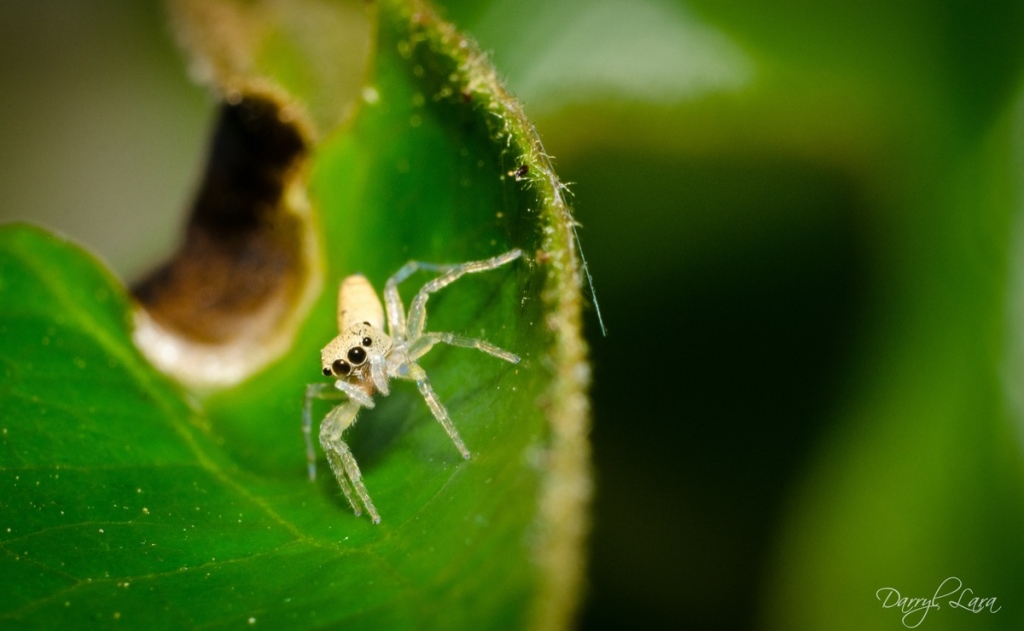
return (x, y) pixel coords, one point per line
(216, 309)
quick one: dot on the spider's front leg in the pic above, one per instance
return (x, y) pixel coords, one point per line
(339, 456)
(415, 372)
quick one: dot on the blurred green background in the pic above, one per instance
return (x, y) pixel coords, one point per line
(804, 225)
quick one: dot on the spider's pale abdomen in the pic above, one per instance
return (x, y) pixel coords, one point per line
(358, 302)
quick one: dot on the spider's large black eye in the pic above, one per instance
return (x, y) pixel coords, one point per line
(327, 371)
(367, 341)
(341, 367)
(356, 355)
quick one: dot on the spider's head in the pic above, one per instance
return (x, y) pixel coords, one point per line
(346, 356)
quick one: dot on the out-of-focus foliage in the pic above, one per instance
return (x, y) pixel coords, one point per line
(809, 213)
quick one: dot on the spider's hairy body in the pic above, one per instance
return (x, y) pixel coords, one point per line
(362, 359)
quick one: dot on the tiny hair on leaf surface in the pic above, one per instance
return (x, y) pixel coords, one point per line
(128, 497)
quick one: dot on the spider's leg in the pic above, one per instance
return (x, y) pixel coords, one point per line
(418, 308)
(393, 301)
(343, 463)
(355, 393)
(379, 372)
(417, 374)
(321, 391)
(427, 341)
(336, 465)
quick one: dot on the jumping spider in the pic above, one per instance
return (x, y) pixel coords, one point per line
(362, 359)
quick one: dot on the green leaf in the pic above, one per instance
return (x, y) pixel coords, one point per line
(126, 499)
